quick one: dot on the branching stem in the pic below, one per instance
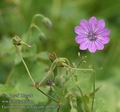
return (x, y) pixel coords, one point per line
(33, 81)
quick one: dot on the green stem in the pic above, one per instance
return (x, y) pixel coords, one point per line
(58, 109)
(94, 90)
(35, 26)
(78, 69)
(44, 78)
(9, 75)
(52, 67)
(25, 65)
(85, 104)
(82, 69)
(36, 16)
(47, 95)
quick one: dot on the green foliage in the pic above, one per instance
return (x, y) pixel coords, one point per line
(28, 19)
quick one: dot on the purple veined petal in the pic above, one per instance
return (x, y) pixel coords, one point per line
(80, 31)
(99, 45)
(80, 39)
(93, 19)
(84, 25)
(104, 40)
(84, 45)
(92, 34)
(101, 24)
(92, 47)
(104, 32)
(93, 23)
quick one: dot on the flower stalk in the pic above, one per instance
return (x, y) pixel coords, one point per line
(94, 91)
(17, 42)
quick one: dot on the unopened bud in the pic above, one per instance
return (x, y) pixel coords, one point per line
(47, 22)
(42, 36)
(79, 54)
(16, 41)
(52, 56)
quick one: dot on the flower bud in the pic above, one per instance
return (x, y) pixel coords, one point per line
(42, 36)
(16, 40)
(47, 22)
(52, 56)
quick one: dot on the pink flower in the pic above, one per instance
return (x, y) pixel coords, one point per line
(92, 34)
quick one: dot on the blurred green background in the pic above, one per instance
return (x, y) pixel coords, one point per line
(16, 17)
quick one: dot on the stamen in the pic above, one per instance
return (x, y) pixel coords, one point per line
(91, 36)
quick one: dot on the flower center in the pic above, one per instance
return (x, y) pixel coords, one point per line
(91, 36)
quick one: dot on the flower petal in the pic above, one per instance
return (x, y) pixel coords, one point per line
(92, 34)
(92, 47)
(93, 23)
(93, 19)
(80, 39)
(84, 25)
(84, 45)
(104, 40)
(101, 24)
(104, 32)
(79, 30)
(99, 45)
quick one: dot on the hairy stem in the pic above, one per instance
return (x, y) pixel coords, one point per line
(25, 65)
(47, 95)
(94, 90)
